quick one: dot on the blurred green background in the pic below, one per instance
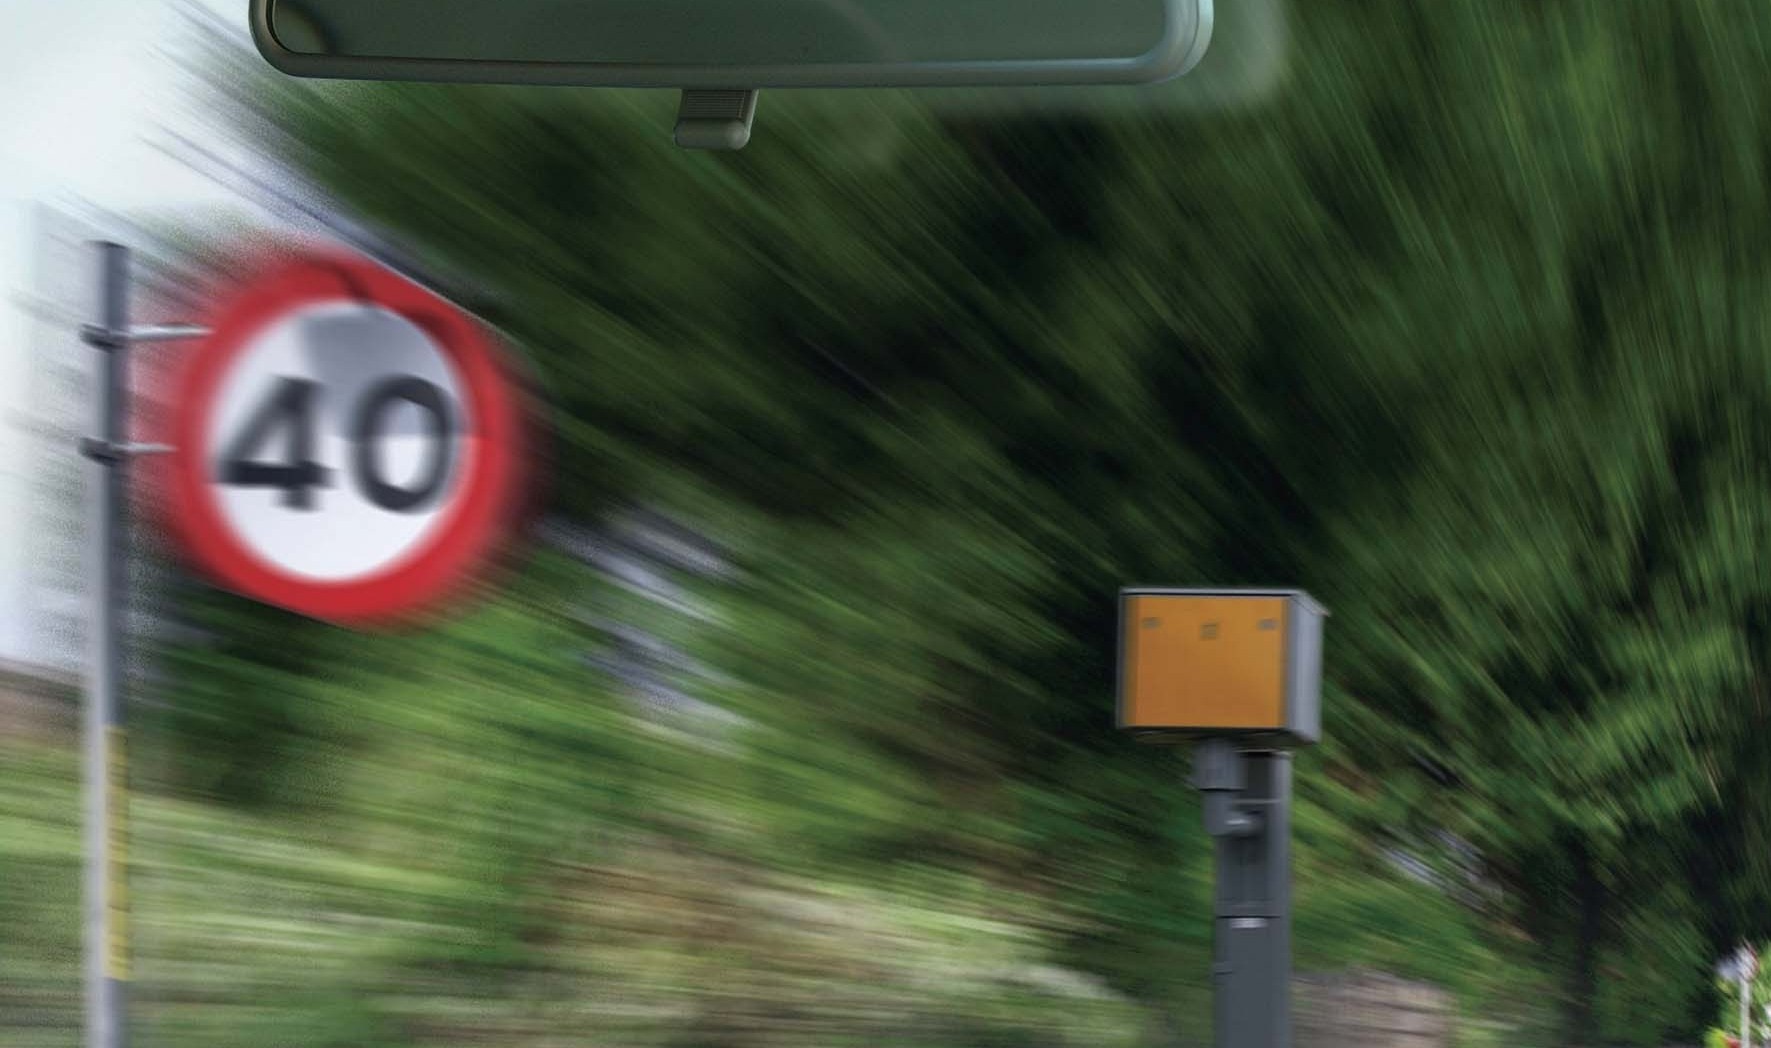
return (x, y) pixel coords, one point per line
(1466, 329)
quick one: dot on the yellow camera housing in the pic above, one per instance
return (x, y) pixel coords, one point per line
(1221, 662)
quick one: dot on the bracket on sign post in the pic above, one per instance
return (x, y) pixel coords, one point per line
(106, 771)
(1237, 672)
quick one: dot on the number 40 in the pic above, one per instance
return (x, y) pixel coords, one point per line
(291, 407)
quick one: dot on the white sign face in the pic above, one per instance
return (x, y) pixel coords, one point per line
(344, 444)
(335, 443)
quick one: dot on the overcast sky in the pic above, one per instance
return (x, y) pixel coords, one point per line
(83, 81)
(86, 89)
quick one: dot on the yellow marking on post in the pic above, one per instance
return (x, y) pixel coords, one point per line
(117, 869)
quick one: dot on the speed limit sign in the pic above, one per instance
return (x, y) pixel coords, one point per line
(346, 444)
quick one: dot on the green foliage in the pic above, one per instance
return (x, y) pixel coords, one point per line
(39, 895)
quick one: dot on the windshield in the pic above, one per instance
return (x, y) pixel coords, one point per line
(1275, 552)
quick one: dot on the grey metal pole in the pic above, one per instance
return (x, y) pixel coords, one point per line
(106, 771)
(1746, 994)
(1248, 814)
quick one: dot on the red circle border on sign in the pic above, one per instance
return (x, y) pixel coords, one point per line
(473, 524)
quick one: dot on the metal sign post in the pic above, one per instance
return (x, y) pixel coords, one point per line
(106, 753)
(107, 901)
(1747, 962)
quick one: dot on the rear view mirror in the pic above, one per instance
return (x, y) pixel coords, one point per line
(737, 43)
(721, 51)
